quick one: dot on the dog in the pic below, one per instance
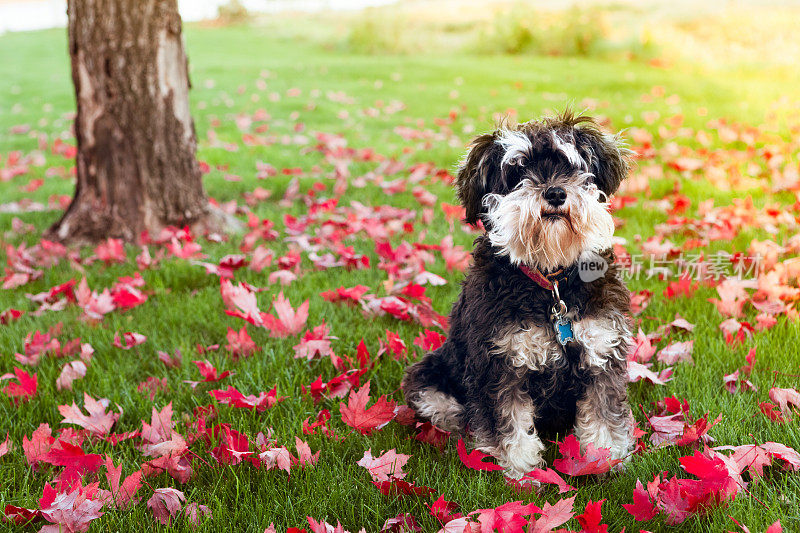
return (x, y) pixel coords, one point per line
(537, 346)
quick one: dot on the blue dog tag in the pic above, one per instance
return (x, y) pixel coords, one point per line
(563, 329)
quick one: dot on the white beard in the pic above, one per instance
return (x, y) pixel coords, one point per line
(519, 231)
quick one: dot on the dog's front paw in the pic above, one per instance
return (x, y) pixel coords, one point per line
(520, 455)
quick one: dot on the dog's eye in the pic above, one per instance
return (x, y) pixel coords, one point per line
(588, 180)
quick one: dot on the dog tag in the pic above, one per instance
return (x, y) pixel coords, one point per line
(563, 329)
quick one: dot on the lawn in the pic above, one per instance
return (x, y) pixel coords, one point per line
(261, 95)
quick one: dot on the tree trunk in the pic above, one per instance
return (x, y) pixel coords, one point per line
(136, 162)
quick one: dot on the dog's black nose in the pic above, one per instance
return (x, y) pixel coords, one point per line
(555, 196)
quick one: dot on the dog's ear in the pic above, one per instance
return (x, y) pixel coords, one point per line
(476, 173)
(608, 156)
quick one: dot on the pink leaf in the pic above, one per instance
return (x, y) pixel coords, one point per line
(287, 321)
(677, 352)
(166, 503)
(71, 371)
(552, 516)
(129, 340)
(381, 468)
(96, 421)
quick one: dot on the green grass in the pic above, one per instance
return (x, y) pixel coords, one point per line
(185, 309)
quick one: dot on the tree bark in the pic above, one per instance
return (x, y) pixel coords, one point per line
(136, 164)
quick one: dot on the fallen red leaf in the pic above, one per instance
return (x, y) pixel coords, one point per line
(356, 414)
(592, 461)
(475, 459)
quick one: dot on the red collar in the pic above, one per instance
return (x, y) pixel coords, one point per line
(546, 281)
(562, 275)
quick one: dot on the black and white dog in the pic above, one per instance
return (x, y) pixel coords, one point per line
(538, 340)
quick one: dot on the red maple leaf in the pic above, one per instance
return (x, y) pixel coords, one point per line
(287, 321)
(72, 457)
(717, 478)
(152, 385)
(429, 340)
(69, 511)
(592, 461)
(321, 422)
(171, 361)
(24, 389)
(363, 357)
(21, 515)
(234, 398)
(771, 411)
(122, 494)
(126, 297)
(475, 459)
(38, 445)
(547, 476)
(682, 287)
(640, 300)
(680, 430)
(338, 387)
(194, 512)
(111, 251)
(69, 373)
(455, 257)
(315, 343)
(732, 298)
(240, 344)
(232, 447)
(427, 432)
(356, 414)
(639, 371)
(753, 457)
(402, 523)
(396, 307)
(442, 510)
(9, 315)
(591, 517)
(351, 295)
(304, 455)
(399, 487)
(507, 518)
(698, 431)
(188, 250)
(642, 350)
(209, 373)
(394, 345)
(240, 302)
(642, 508)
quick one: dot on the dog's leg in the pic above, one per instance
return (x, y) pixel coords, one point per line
(516, 446)
(440, 408)
(604, 417)
(425, 386)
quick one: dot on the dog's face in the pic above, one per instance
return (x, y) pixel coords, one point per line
(541, 189)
